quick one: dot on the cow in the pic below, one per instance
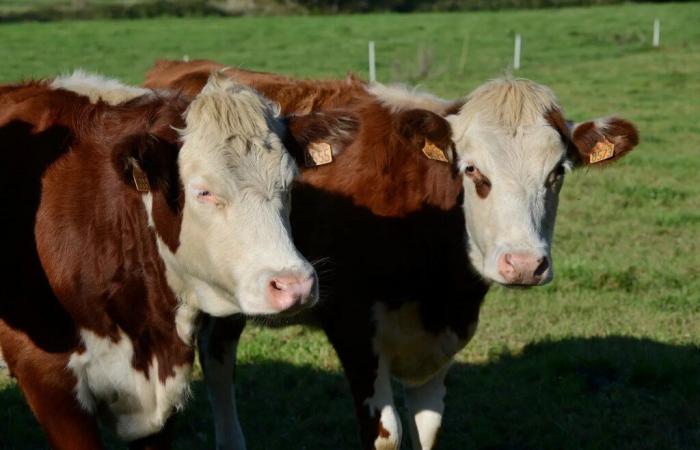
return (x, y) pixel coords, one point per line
(128, 213)
(428, 204)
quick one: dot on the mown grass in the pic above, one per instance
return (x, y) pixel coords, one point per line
(608, 355)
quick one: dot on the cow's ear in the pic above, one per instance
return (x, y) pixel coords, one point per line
(428, 132)
(147, 162)
(317, 138)
(602, 141)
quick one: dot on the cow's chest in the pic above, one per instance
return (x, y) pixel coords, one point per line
(133, 403)
(414, 355)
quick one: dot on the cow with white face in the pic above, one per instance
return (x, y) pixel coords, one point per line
(514, 148)
(427, 203)
(134, 211)
(235, 235)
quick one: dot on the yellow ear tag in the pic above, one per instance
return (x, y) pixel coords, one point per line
(603, 150)
(318, 154)
(140, 178)
(432, 151)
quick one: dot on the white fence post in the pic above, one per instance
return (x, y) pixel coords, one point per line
(657, 33)
(372, 69)
(516, 52)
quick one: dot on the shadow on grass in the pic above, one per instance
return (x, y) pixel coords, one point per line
(598, 393)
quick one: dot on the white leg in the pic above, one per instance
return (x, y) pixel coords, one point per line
(218, 377)
(382, 403)
(425, 407)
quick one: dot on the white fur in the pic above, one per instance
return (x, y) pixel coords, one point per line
(98, 88)
(413, 354)
(232, 148)
(425, 406)
(502, 131)
(231, 145)
(399, 98)
(139, 405)
(420, 360)
(382, 403)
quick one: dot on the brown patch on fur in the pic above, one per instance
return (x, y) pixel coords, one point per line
(481, 183)
(85, 256)
(580, 143)
(335, 127)
(618, 131)
(294, 96)
(383, 432)
(555, 118)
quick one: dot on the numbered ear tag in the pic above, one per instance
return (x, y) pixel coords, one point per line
(603, 150)
(432, 151)
(318, 154)
(140, 178)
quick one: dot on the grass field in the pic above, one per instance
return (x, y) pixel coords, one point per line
(608, 355)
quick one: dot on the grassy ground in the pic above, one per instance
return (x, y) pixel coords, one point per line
(608, 355)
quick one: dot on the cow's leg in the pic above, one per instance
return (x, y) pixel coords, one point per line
(370, 385)
(426, 405)
(218, 340)
(49, 390)
(66, 424)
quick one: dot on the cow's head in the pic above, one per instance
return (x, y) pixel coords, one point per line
(514, 148)
(228, 192)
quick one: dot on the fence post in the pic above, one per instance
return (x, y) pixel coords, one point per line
(372, 70)
(657, 33)
(516, 52)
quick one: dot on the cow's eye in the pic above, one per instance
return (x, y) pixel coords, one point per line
(207, 196)
(481, 183)
(557, 175)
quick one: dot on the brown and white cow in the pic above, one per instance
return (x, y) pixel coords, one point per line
(127, 213)
(419, 213)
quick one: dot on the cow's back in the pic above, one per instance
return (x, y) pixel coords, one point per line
(295, 96)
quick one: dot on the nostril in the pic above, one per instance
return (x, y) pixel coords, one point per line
(278, 285)
(542, 267)
(508, 259)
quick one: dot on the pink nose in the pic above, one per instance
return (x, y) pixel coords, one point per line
(286, 291)
(525, 269)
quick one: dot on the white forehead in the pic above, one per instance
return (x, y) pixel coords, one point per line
(233, 130)
(503, 124)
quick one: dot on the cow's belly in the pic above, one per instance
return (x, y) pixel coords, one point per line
(132, 403)
(413, 354)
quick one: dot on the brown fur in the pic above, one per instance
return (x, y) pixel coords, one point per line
(586, 135)
(85, 256)
(294, 96)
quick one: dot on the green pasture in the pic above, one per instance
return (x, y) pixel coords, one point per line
(605, 357)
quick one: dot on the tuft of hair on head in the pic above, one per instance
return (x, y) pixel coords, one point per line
(225, 108)
(509, 102)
